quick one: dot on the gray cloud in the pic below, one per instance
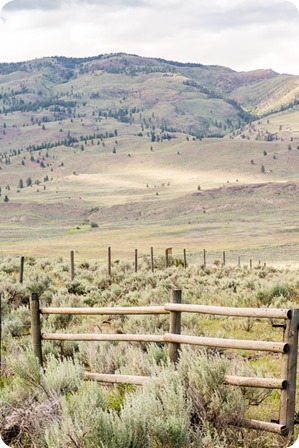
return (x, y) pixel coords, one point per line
(55, 4)
(212, 15)
(243, 34)
(32, 4)
(251, 13)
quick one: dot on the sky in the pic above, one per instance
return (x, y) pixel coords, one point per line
(241, 34)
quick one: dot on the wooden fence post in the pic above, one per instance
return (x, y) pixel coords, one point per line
(175, 326)
(166, 258)
(152, 259)
(239, 261)
(289, 373)
(224, 258)
(35, 327)
(136, 260)
(22, 269)
(72, 265)
(250, 264)
(185, 259)
(204, 258)
(109, 261)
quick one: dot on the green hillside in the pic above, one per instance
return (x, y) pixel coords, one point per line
(125, 149)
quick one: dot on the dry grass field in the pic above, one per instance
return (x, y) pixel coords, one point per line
(103, 146)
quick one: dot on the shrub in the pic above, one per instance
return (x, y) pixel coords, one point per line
(93, 225)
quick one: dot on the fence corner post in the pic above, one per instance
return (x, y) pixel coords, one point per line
(289, 373)
(35, 327)
(175, 326)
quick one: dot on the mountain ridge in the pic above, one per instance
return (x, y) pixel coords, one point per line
(188, 97)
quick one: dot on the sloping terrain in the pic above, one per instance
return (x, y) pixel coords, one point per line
(201, 100)
(119, 148)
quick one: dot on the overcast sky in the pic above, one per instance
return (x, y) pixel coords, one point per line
(241, 34)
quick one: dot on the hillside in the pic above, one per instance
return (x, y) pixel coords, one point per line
(125, 143)
(201, 100)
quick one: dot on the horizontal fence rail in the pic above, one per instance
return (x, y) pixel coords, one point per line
(270, 313)
(261, 313)
(288, 348)
(265, 383)
(113, 378)
(138, 310)
(263, 426)
(103, 337)
(275, 347)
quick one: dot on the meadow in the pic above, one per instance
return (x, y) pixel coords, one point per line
(188, 407)
(182, 193)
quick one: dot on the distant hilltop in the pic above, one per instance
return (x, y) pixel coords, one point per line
(202, 100)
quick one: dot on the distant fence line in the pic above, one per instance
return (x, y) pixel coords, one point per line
(167, 255)
(288, 348)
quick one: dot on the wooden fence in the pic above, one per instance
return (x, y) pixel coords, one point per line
(288, 348)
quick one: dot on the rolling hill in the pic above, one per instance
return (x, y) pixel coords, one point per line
(132, 150)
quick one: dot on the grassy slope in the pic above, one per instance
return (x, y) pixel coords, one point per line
(144, 192)
(270, 95)
(152, 197)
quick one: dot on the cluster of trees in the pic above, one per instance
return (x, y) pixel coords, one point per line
(29, 182)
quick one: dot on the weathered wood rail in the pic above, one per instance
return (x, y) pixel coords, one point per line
(288, 348)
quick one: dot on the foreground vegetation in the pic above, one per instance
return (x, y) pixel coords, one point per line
(189, 407)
